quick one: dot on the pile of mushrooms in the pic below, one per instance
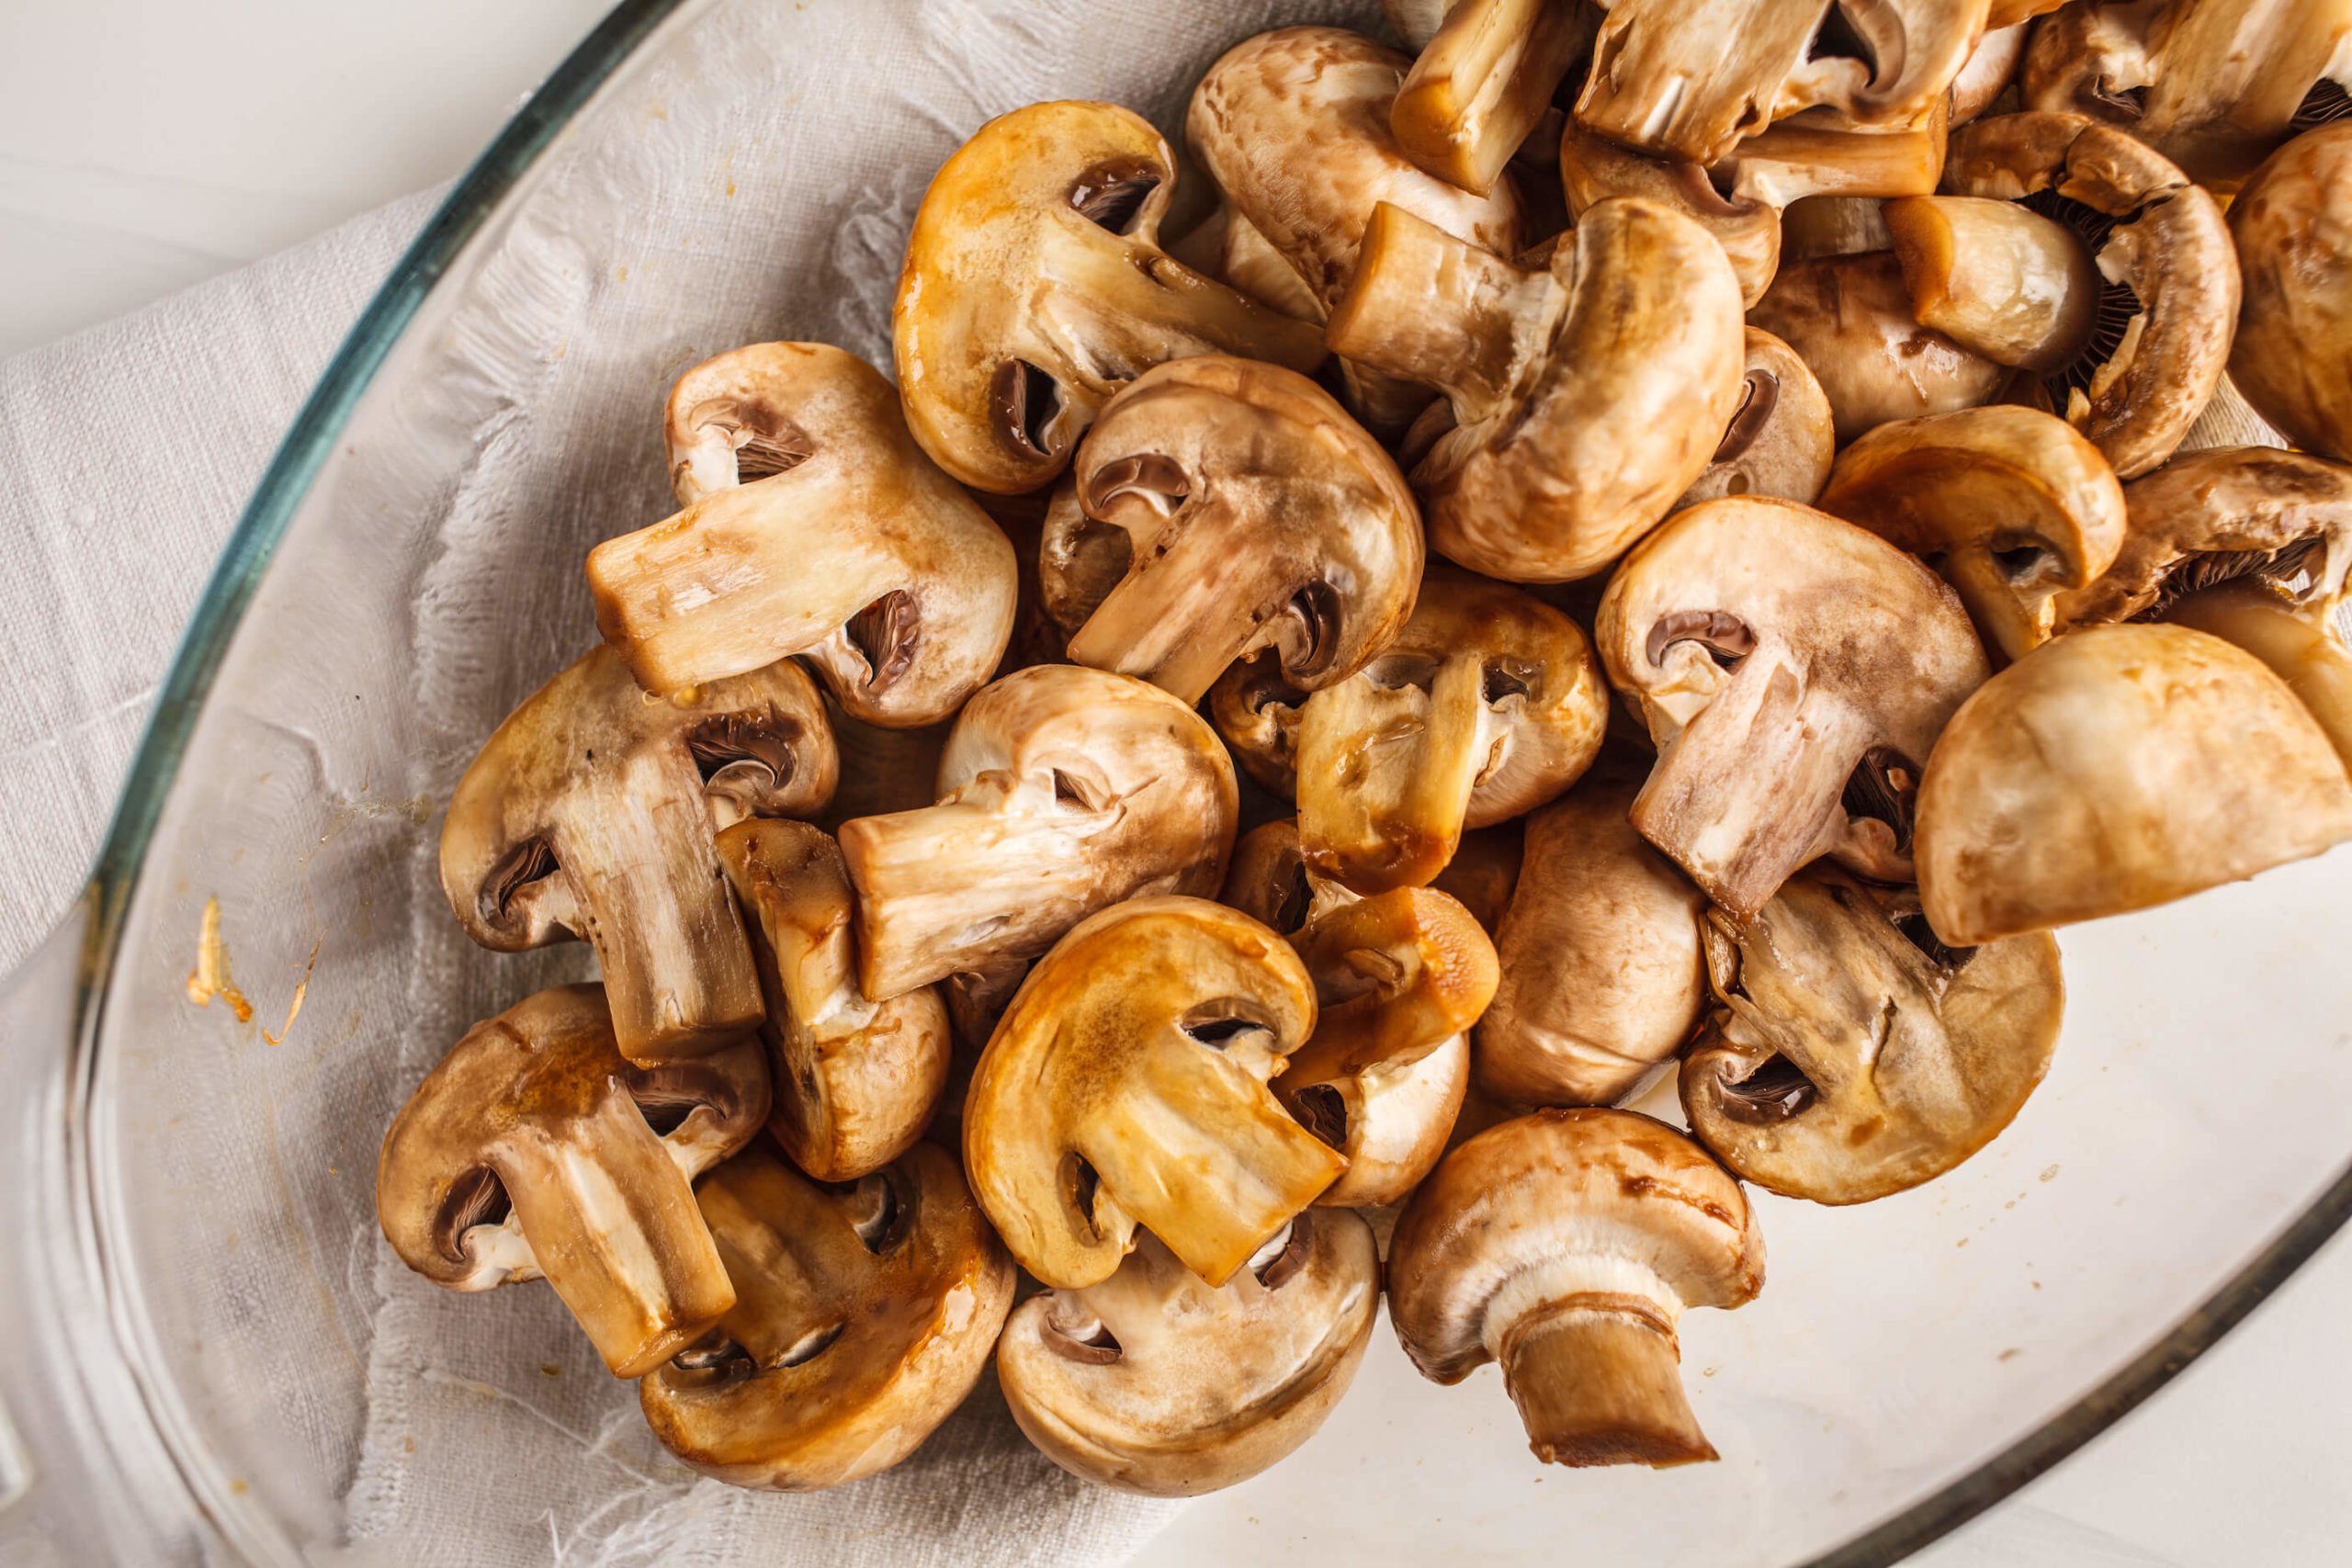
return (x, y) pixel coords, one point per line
(1654, 551)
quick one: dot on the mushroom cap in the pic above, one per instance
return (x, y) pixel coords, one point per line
(2293, 224)
(1846, 1062)
(1034, 286)
(1267, 880)
(1151, 1380)
(1850, 319)
(2311, 657)
(1483, 81)
(866, 1315)
(2117, 768)
(1781, 439)
(1593, 169)
(1127, 1086)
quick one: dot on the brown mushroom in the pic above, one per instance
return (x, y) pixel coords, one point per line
(1781, 439)
(1820, 225)
(527, 1153)
(1996, 278)
(589, 814)
(2311, 658)
(1483, 82)
(1992, 67)
(865, 1316)
(2292, 225)
(1565, 1245)
(1849, 317)
(1483, 873)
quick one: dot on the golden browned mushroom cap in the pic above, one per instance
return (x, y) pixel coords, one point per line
(589, 814)
(1849, 317)
(1268, 879)
(1780, 658)
(2113, 769)
(1225, 506)
(1847, 1061)
(2008, 282)
(1483, 81)
(856, 1080)
(865, 1314)
(1589, 394)
(1565, 1245)
(1152, 1382)
(1780, 440)
(1127, 1086)
(1602, 975)
(2293, 224)
(2011, 504)
(2309, 656)
(1034, 288)
(854, 551)
(526, 1153)
(2170, 308)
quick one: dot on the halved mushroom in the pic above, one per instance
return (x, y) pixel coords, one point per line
(1602, 975)
(1848, 317)
(813, 526)
(529, 1152)
(589, 814)
(1588, 395)
(2117, 768)
(2290, 224)
(1565, 1245)
(1483, 82)
(1152, 1382)
(1991, 67)
(1854, 1055)
(1127, 1086)
(2013, 506)
(1780, 440)
(2309, 656)
(865, 1316)
(1034, 288)
(1225, 506)
(1062, 790)
(1793, 670)
(1994, 278)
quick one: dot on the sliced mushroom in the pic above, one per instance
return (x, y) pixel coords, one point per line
(589, 814)
(2117, 768)
(527, 1153)
(1034, 288)
(1062, 790)
(1996, 278)
(2309, 656)
(2290, 224)
(1127, 1086)
(1781, 439)
(1565, 1245)
(1483, 82)
(865, 1314)
(1849, 317)
(1779, 657)
(1991, 68)
(1152, 1382)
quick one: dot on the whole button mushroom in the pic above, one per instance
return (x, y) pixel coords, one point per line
(2310, 655)
(2293, 224)
(1794, 671)
(1781, 439)
(589, 813)
(1483, 82)
(1565, 1245)
(1062, 790)
(1153, 1382)
(1034, 288)
(1849, 1061)
(526, 1153)
(813, 526)
(1225, 506)
(1127, 1086)
(865, 1314)
(1848, 317)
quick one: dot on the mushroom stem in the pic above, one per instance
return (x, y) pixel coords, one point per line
(1479, 87)
(1432, 307)
(1385, 775)
(1597, 1379)
(1133, 310)
(2012, 284)
(2012, 622)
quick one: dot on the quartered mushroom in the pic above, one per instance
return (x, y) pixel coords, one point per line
(1854, 1055)
(1034, 288)
(2309, 655)
(863, 1315)
(2290, 224)
(1848, 317)
(1995, 278)
(532, 1151)
(1062, 790)
(1566, 1245)
(813, 526)
(589, 814)
(1153, 1382)
(1484, 81)
(1781, 439)
(1127, 1087)
(1224, 506)
(2114, 769)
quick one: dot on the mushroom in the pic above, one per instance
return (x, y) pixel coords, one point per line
(2170, 307)
(1416, 21)
(1034, 288)
(1994, 278)
(1127, 1086)
(1483, 873)
(589, 813)
(1602, 974)
(1795, 671)
(2293, 224)
(2114, 769)
(1483, 82)
(813, 526)
(1589, 394)
(1781, 439)
(527, 1152)
(2311, 658)
(1854, 1055)
(1820, 225)
(1565, 1245)
(865, 1316)
(1151, 1380)
(1248, 262)
(1225, 506)
(1849, 317)
(1991, 67)
(2012, 506)
(856, 1080)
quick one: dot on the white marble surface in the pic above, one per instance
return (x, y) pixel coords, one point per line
(146, 145)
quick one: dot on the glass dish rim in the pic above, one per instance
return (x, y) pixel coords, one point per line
(286, 483)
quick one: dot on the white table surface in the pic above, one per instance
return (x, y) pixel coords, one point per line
(147, 144)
